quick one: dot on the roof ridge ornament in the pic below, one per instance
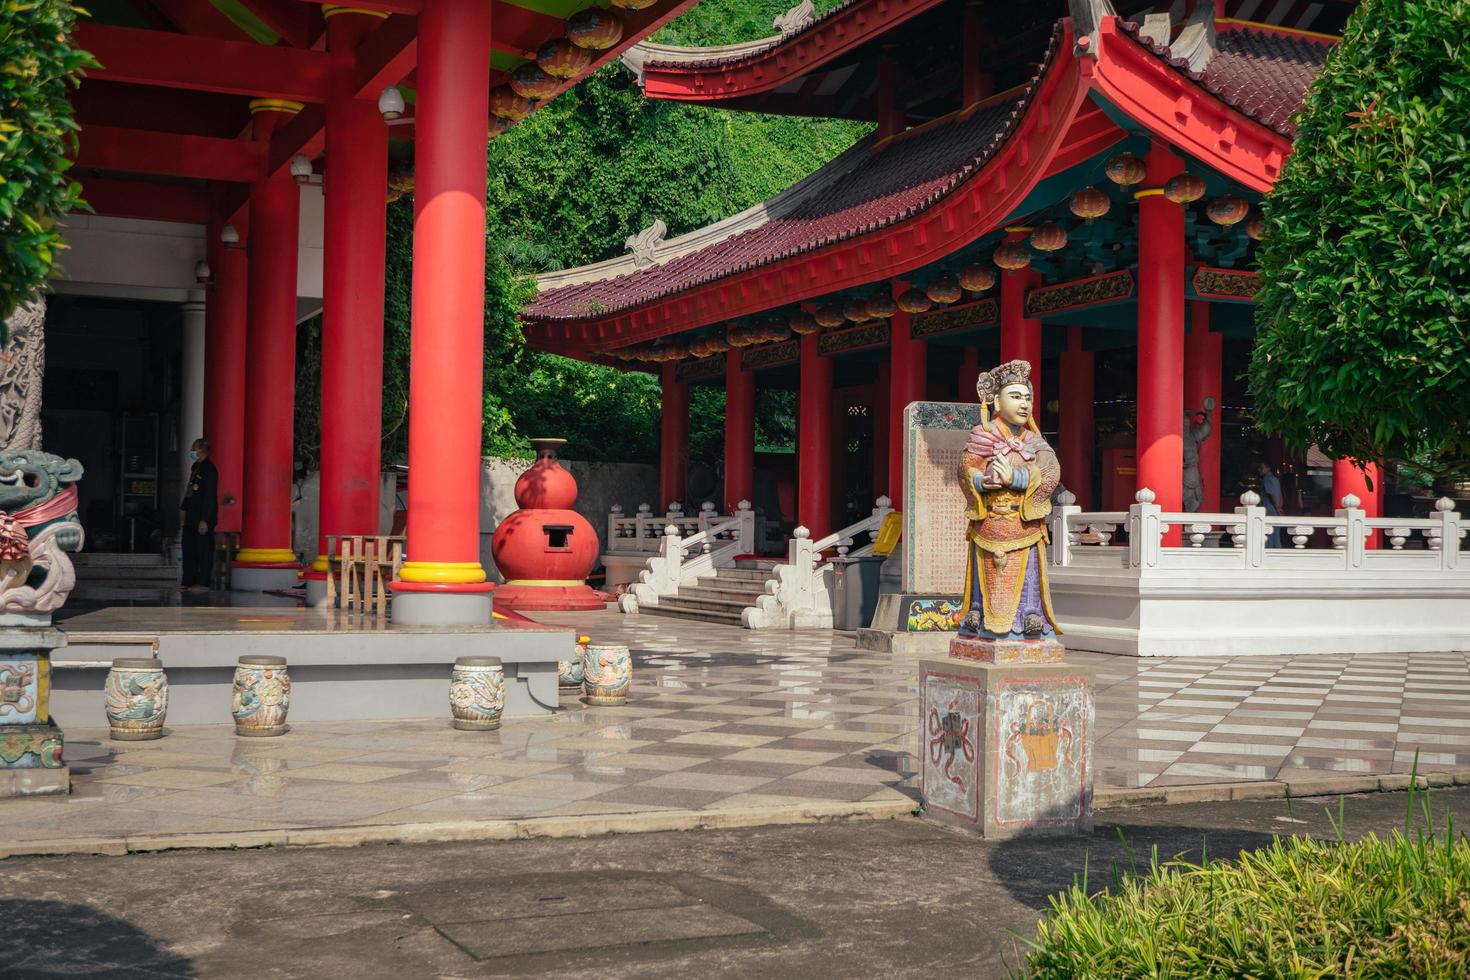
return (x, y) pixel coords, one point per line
(798, 18)
(1198, 40)
(1087, 17)
(645, 244)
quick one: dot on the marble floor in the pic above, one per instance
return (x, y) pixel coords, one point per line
(723, 718)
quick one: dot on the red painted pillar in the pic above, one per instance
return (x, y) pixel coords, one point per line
(1203, 379)
(1076, 437)
(1161, 337)
(224, 381)
(881, 389)
(1020, 337)
(969, 374)
(673, 440)
(1347, 478)
(739, 431)
(908, 382)
(265, 559)
(443, 580)
(355, 225)
(814, 441)
(975, 83)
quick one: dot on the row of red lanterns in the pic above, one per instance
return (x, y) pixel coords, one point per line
(559, 60)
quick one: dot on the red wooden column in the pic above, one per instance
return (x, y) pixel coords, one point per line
(442, 582)
(1203, 379)
(1076, 438)
(739, 432)
(907, 382)
(355, 225)
(881, 388)
(673, 439)
(975, 83)
(265, 559)
(1347, 478)
(1161, 337)
(1020, 337)
(969, 373)
(814, 441)
(224, 381)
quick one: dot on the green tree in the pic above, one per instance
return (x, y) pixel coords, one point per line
(1363, 329)
(37, 130)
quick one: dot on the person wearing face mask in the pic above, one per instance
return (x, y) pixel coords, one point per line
(199, 512)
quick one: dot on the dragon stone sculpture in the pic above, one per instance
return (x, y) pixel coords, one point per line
(38, 526)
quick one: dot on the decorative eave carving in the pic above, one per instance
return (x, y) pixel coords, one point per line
(770, 355)
(645, 244)
(853, 338)
(1198, 41)
(1227, 284)
(980, 313)
(1087, 18)
(699, 369)
(1110, 287)
(798, 18)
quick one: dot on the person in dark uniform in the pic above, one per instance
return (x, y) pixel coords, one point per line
(200, 512)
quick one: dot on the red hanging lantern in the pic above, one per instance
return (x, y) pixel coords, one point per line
(943, 289)
(560, 58)
(717, 343)
(595, 29)
(882, 306)
(914, 301)
(531, 82)
(1012, 255)
(1255, 227)
(856, 310)
(775, 330)
(977, 278)
(802, 323)
(1185, 188)
(1125, 170)
(830, 316)
(1049, 237)
(1090, 203)
(506, 104)
(1227, 210)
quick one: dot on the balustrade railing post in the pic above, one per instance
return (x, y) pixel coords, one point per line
(613, 518)
(745, 530)
(1449, 533)
(1145, 530)
(1255, 529)
(1061, 535)
(1354, 530)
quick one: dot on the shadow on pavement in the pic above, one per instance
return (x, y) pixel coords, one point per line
(58, 939)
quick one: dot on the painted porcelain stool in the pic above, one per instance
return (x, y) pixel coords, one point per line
(607, 674)
(261, 696)
(570, 673)
(136, 698)
(477, 693)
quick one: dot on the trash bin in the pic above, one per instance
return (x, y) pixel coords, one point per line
(855, 595)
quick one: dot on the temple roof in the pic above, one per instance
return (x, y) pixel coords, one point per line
(1261, 72)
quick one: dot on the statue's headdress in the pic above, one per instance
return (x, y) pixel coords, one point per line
(991, 383)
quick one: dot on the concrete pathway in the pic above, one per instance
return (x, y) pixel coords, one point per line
(898, 898)
(731, 727)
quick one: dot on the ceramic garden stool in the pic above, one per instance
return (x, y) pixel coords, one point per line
(137, 698)
(261, 696)
(570, 673)
(607, 674)
(477, 693)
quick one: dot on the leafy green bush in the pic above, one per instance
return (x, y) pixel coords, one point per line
(36, 131)
(1362, 339)
(1300, 908)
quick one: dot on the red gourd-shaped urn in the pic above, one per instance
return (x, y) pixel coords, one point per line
(545, 550)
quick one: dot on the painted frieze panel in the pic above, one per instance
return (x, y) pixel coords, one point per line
(1226, 283)
(963, 316)
(21, 692)
(699, 369)
(770, 355)
(1039, 732)
(1093, 291)
(950, 736)
(853, 338)
(933, 614)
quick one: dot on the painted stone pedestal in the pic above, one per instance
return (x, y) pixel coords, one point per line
(1006, 749)
(31, 744)
(983, 650)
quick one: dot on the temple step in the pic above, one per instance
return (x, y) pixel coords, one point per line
(709, 588)
(755, 575)
(672, 607)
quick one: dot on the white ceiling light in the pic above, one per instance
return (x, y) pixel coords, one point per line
(229, 236)
(202, 272)
(301, 168)
(390, 103)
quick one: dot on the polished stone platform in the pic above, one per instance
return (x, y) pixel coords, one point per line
(342, 667)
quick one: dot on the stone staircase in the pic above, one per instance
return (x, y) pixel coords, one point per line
(107, 577)
(718, 598)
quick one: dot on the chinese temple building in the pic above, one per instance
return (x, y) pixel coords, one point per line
(1076, 184)
(236, 156)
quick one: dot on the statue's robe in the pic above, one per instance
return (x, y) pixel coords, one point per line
(1005, 564)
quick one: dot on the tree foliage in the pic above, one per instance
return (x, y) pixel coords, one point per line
(37, 129)
(1363, 339)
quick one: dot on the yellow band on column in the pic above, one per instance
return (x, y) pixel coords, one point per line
(447, 572)
(266, 556)
(275, 105)
(1147, 192)
(332, 9)
(321, 564)
(560, 582)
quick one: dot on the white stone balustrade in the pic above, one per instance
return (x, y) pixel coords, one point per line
(682, 559)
